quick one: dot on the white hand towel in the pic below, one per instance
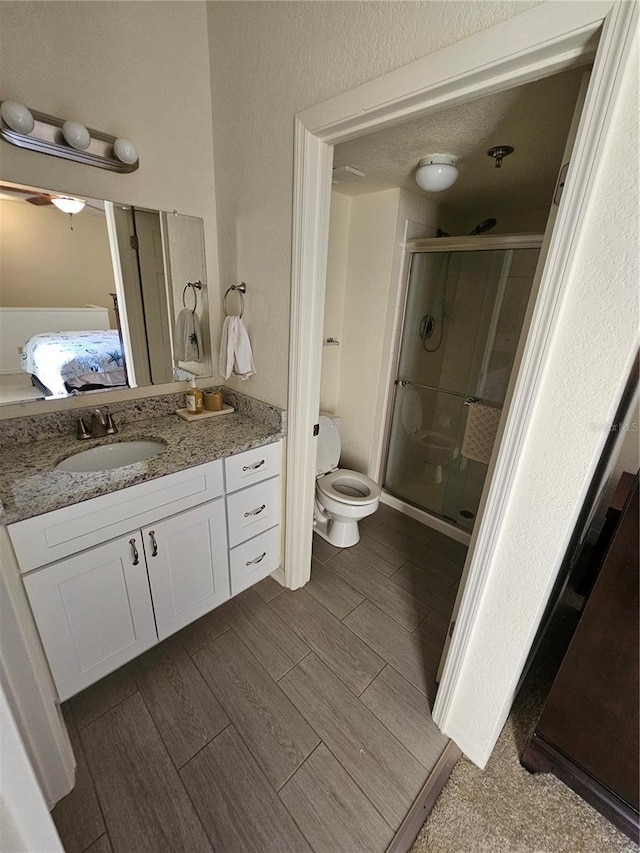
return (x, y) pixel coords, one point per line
(236, 355)
(186, 337)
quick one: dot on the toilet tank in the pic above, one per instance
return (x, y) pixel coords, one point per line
(328, 450)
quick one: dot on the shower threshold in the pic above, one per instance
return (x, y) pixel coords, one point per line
(430, 519)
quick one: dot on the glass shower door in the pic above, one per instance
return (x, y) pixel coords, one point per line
(462, 323)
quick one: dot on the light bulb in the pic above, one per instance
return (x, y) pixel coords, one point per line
(76, 135)
(125, 151)
(17, 116)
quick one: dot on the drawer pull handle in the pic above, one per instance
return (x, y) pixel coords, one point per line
(254, 466)
(152, 535)
(255, 511)
(257, 559)
(136, 558)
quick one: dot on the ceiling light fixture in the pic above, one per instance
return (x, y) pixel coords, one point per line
(69, 205)
(498, 152)
(437, 172)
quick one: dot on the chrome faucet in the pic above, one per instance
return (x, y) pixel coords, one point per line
(102, 424)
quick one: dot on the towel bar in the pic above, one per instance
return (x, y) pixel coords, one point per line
(239, 288)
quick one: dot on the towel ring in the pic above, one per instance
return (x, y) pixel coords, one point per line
(195, 286)
(239, 288)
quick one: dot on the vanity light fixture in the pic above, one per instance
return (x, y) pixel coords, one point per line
(437, 172)
(71, 140)
(68, 205)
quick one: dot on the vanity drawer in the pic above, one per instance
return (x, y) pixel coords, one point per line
(254, 560)
(253, 510)
(58, 534)
(252, 466)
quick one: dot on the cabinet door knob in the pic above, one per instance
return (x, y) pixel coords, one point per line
(152, 535)
(255, 511)
(136, 558)
(257, 559)
(254, 466)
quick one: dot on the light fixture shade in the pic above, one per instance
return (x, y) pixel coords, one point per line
(17, 116)
(125, 151)
(76, 135)
(437, 172)
(69, 205)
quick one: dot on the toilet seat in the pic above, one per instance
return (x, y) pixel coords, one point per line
(349, 487)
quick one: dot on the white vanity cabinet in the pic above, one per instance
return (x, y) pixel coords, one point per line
(187, 564)
(93, 612)
(253, 498)
(112, 576)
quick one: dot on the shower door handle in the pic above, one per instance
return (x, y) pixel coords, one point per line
(401, 382)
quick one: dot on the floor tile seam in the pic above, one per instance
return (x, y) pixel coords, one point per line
(410, 536)
(193, 653)
(293, 666)
(367, 598)
(179, 777)
(277, 684)
(393, 735)
(335, 757)
(179, 767)
(314, 595)
(380, 655)
(445, 579)
(102, 835)
(421, 763)
(257, 627)
(370, 562)
(393, 827)
(108, 710)
(93, 782)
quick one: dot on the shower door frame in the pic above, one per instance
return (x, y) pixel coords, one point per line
(425, 245)
(539, 42)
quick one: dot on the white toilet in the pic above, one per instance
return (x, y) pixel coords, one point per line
(343, 497)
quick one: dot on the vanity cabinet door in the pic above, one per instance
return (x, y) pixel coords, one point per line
(93, 612)
(188, 566)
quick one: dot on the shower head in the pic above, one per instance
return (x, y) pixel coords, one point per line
(483, 226)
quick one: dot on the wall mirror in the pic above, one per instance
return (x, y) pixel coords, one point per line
(109, 297)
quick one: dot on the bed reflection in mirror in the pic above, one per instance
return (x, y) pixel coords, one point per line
(98, 300)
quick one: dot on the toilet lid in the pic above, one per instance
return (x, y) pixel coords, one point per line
(350, 487)
(411, 412)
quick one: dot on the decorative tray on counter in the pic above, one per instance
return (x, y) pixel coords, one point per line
(184, 413)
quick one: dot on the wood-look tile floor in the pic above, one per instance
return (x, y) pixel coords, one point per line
(281, 721)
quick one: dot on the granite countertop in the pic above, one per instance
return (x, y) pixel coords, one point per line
(30, 484)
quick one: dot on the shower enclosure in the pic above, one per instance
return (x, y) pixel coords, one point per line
(465, 308)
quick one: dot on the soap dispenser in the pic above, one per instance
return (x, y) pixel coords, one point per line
(194, 398)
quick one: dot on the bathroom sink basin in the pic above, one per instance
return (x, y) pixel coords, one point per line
(109, 456)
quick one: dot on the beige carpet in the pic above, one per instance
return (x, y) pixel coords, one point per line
(505, 809)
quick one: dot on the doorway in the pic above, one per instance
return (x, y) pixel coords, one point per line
(539, 43)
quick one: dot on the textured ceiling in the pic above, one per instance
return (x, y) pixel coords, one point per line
(534, 119)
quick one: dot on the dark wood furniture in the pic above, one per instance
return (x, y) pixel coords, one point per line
(587, 734)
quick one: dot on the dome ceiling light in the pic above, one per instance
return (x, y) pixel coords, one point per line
(437, 172)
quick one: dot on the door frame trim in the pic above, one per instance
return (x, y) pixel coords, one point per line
(539, 42)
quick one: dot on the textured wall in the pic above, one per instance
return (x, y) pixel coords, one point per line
(597, 336)
(270, 60)
(334, 299)
(44, 264)
(139, 70)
